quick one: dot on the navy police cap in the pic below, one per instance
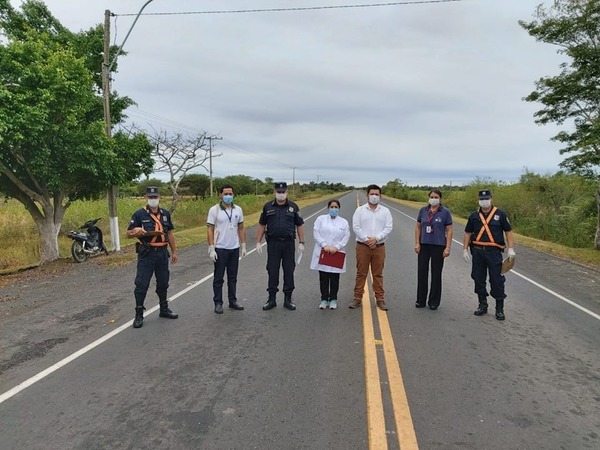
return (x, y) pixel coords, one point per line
(485, 194)
(281, 186)
(151, 190)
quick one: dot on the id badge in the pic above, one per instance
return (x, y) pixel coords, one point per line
(428, 229)
(231, 227)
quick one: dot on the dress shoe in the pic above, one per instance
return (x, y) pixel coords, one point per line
(500, 315)
(167, 314)
(219, 308)
(420, 305)
(381, 305)
(433, 308)
(236, 305)
(269, 305)
(355, 304)
(289, 305)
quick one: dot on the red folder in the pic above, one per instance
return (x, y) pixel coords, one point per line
(332, 259)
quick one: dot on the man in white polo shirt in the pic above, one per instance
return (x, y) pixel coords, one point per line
(225, 236)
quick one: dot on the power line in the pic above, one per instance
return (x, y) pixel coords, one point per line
(307, 8)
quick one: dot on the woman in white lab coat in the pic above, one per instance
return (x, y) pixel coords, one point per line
(331, 233)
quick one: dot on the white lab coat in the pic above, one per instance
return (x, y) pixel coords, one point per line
(329, 231)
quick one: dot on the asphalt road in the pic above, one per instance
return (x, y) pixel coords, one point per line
(305, 379)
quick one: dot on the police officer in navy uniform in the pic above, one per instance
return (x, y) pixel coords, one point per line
(153, 227)
(485, 235)
(280, 219)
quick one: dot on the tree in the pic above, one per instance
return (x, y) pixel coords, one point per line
(53, 149)
(196, 184)
(573, 96)
(177, 154)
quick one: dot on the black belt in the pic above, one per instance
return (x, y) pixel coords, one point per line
(485, 247)
(281, 239)
(376, 245)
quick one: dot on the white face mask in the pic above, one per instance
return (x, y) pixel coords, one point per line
(373, 199)
(434, 201)
(152, 202)
(281, 196)
(485, 203)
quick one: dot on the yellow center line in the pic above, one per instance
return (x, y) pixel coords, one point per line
(405, 432)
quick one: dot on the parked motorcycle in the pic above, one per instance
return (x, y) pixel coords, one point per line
(88, 243)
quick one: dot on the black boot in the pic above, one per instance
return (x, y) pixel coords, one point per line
(271, 303)
(165, 311)
(139, 317)
(287, 302)
(483, 306)
(500, 309)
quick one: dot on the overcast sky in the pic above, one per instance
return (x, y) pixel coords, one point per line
(426, 93)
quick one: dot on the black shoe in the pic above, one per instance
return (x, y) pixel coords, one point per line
(269, 305)
(289, 305)
(138, 321)
(481, 311)
(420, 305)
(500, 315)
(433, 308)
(219, 308)
(236, 305)
(167, 314)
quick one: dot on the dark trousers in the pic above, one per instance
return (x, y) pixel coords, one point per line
(488, 260)
(280, 253)
(434, 254)
(152, 261)
(330, 284)
(227, 260)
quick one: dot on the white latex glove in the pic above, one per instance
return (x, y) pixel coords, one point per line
(259, 248)
(511, 254)
(466, 256)
(244, 252)
(300, 248)
(212, 253)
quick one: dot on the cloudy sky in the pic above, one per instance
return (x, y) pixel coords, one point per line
(428, 93)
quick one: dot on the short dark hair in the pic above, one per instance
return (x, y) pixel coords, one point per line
(373, 186)
(334, 200)
(435, 191)
(225, 186)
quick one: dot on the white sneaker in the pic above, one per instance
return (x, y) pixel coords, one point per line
(323, 304)
(333, 304)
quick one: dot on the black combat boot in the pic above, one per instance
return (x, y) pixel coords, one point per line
(165, 311)
(287, 302)
(500, 309)
(139, 317)
(483, 305)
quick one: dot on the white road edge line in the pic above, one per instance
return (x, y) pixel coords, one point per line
(535, 283)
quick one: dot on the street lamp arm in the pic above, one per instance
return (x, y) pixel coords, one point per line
(112, 63)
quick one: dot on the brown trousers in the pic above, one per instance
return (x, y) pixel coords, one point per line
(374, 258)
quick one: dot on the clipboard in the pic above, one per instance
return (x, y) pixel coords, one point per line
(507, 265)
(154, 233)
(332, 259)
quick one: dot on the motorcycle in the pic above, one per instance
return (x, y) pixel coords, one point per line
(88, 243)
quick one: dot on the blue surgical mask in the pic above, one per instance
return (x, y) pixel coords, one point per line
(228, 199)
(333, 212)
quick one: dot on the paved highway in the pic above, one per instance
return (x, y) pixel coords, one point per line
(308, 379)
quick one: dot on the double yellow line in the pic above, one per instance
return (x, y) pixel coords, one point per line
(405, 432)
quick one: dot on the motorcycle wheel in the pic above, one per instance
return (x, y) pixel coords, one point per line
(77, 251)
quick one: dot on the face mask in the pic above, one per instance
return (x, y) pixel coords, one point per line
(485, 203)
(373, 199)
(333, 212)
(152, 202)
(228, 199)
(434, 201)
(281, 196)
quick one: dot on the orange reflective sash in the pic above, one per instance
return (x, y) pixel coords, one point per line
(485, 228)
(158, 240)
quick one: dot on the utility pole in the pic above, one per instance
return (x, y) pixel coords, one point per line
(318, 176)
(293, 181)
(107, 66)
(210, 147)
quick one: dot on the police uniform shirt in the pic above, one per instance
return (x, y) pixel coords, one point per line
(498, 224)
(433, 226)
(141, 218)
(225, 221)
(281, 220)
